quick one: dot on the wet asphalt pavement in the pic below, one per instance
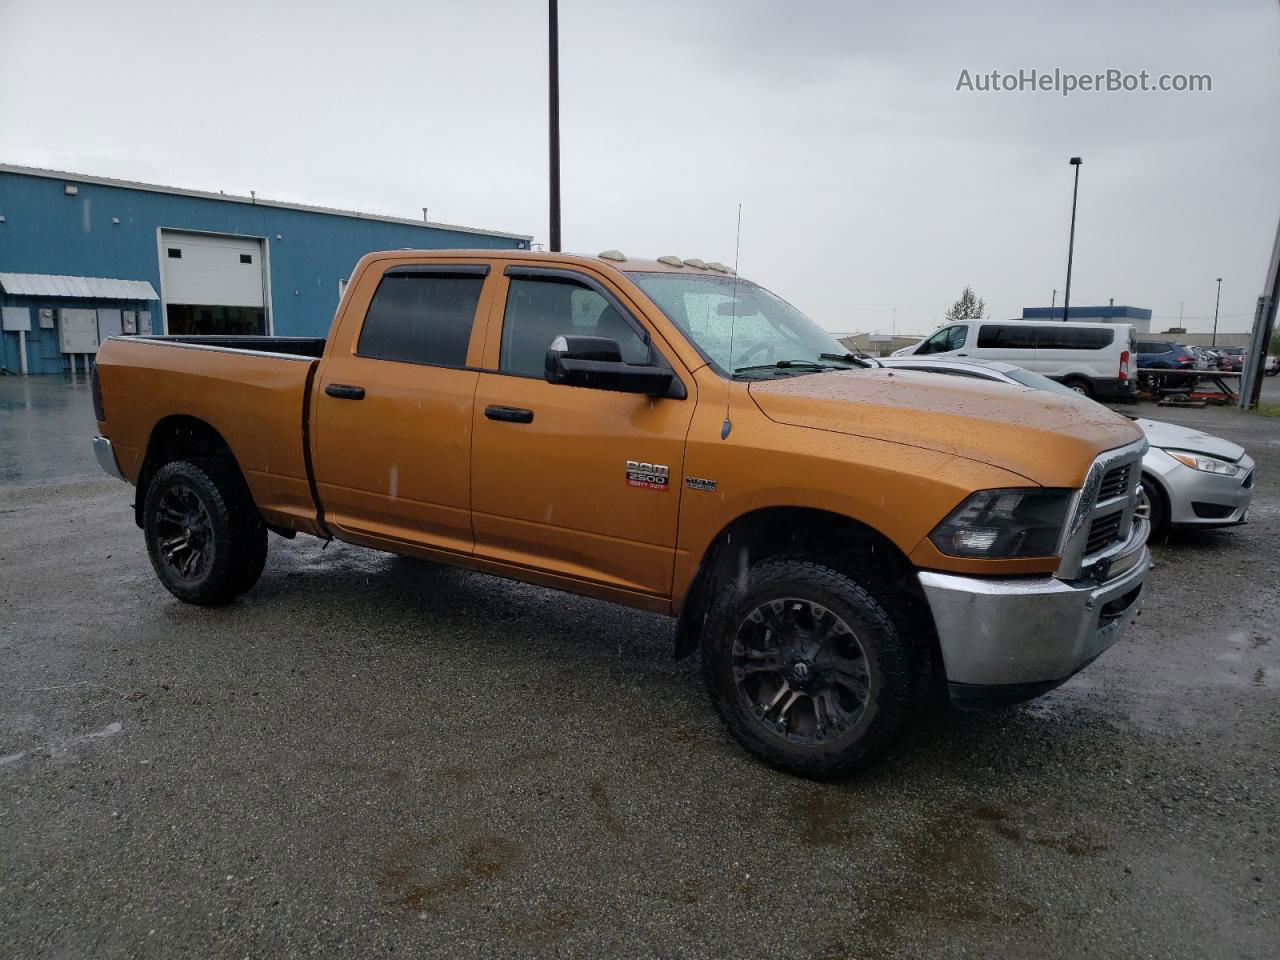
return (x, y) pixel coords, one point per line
(368, 756)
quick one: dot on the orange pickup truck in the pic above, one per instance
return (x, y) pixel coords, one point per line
(835, 537)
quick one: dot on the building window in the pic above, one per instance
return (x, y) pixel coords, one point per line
(246, 258)
(175, 253)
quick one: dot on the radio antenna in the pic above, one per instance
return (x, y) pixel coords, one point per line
(733, 325)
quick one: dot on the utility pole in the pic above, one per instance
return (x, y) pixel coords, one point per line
(553, 100)
(1215, 312)
(1071, 244)
(1264, 324)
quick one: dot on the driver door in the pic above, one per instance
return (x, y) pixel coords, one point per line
(555, 479)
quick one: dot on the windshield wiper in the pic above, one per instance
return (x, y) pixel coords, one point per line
(785, 365)
(850, 358)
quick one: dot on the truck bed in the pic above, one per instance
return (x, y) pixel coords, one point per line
(251, 391)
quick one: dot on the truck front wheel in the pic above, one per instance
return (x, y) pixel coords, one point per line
(807, 668)
(205, 538)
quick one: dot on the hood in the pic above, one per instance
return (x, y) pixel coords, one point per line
(1170, 436)
(1048, 438)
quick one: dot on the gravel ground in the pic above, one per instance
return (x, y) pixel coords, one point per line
(372, 756)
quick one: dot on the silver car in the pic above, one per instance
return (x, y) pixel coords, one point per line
(1189, 478)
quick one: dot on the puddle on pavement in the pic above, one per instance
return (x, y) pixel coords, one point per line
(950, 870)
(1249, 660)
(424, 876)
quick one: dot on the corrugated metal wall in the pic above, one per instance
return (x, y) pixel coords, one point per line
(46, 231)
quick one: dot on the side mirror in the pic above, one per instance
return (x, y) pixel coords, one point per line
(596, 362)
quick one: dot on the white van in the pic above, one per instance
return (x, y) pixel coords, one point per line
(1096, 359)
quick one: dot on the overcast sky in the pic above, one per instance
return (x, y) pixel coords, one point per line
(869, 184)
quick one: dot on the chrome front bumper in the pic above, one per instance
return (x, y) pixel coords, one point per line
(1005, 640)
(106, 457)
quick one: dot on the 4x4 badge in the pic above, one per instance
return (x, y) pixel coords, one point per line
(649, 476)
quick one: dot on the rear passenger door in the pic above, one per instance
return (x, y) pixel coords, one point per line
(392, 430)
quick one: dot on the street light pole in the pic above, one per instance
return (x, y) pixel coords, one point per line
(1216, 302)
(1071, 244)
(553, 99)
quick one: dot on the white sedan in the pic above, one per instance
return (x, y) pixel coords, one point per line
(1189, 478)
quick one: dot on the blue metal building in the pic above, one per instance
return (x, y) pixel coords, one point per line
(1139, 317)
(83, 258)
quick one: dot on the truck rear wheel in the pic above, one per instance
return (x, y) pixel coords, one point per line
(807, 668)
(206, 540)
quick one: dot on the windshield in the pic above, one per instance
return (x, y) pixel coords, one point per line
(1029, 379)
(742, 328)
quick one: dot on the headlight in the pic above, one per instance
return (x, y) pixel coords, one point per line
(1202, 461)
(1003, 524)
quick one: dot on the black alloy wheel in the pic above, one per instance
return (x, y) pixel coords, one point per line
(801, 670)
(184, 533)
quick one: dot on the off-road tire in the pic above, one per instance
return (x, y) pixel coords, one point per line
(879, 634)
(250, 541)
(232, 532)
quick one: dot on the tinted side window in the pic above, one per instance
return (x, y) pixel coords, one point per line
(421, 318)
(1007, 336)
(1098, 339)
(540, 310)
(1057, 338)
(1073, 338)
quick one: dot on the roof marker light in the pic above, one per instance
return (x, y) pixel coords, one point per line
(719, 267)
(695, 262)
(612, 255)
(671, 261)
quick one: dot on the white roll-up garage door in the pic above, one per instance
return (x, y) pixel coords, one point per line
(212, 283)
(203, 268)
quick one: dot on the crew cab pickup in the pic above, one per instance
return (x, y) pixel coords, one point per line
(835, 537)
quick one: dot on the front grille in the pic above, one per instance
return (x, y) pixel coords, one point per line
(1114, 482)
(1103, 532)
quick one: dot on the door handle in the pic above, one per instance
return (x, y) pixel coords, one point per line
(344, 392)
(961, 354)
(509, 414)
